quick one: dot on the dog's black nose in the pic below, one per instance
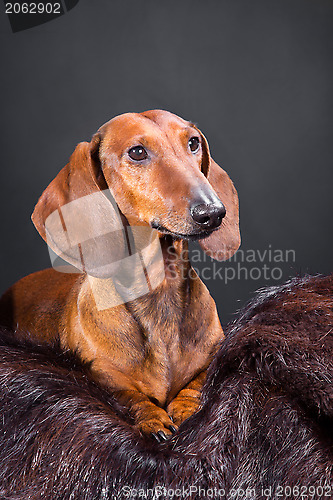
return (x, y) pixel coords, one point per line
(209, 216)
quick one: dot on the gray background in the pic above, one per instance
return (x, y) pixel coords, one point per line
(256, 76)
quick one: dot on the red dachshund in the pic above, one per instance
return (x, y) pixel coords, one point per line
(151, 351)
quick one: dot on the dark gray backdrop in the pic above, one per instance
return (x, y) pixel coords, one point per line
(256, 76)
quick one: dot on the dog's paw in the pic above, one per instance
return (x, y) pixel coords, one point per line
(157, 424)
(182, 408)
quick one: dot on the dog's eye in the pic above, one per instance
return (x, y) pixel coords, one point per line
(194, 144)
(138, 153)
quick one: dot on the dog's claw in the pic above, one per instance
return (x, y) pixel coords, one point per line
(172, 429)
(162, 436)
(155, 436)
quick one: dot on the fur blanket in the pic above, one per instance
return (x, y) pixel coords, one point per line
(265, 429)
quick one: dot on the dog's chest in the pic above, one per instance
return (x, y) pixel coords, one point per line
(157, 343)
(173, 348)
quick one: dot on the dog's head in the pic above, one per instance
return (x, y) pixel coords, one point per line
(160, 174)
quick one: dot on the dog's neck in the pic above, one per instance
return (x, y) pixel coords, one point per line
(165, 266)
(177, 266)
(176, 259)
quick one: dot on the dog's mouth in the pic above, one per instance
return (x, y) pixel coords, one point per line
(180, 236)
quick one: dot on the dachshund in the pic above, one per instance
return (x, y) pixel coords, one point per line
(150, 349)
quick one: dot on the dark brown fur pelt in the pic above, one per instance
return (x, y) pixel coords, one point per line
(266, 421)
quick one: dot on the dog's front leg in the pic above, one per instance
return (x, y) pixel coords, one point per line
(187, 400)
(149, 418)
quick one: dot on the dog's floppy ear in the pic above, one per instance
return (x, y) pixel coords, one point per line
(78, 217)
(78, 178)
(225, 241)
